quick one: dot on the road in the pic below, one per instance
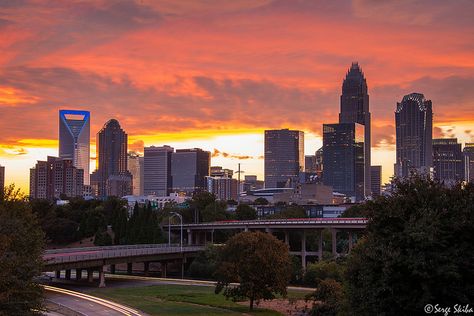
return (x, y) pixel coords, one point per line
(87, 305)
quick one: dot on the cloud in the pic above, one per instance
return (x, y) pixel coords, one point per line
(137, 146)
(218, 153)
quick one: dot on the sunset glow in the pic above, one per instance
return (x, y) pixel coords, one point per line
(196, 74)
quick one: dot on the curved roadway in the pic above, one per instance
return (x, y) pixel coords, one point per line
(87, 305)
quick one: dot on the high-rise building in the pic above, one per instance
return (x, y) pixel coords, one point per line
(376, 180)
(74, 139)
(157, 170)
(448, 160)
(55, 178)
(218, 171)
(469, 162)
(414, 132)
(2, 181)
(355, 109)
(284, 157)
(310, 163)
(343, 157)
(135, 166)
(112, 178)
(189, 169)
(223, 188)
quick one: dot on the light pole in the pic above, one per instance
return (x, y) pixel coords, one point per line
(181, 226)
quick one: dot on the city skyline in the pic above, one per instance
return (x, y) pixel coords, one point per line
(251, 66)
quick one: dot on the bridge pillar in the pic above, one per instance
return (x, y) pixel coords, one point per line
(287, 238)
(78, 274)
(146, 268)
(246, 229)
(350, 241)
(58, 274)
(68, 274)
(90, 275)
(212, 236)
(190, 237)
(320, 246)
(334, 241)
(303, 250)
(129, 267)
(112, 268)
(101, 277)
(164, 268)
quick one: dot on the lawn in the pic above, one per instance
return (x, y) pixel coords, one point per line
(181, 300)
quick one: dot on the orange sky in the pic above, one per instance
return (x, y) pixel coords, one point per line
(216, 74)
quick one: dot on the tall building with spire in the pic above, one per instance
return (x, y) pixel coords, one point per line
(112, 177)
(74, 139)
(414, 132)
(355, 109)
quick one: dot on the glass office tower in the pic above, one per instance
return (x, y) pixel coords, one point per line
(74, 139)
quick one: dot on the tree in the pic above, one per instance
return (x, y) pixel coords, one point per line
(259, 262)
(261, 201)
(245, 212)
(357, 210)
(200, 201)
(21, 249)
(328, 298)
(293, 211)
(417, 250)
(216, 211)
(205, 263)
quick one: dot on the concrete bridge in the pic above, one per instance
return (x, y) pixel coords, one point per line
(92, 259)
(202, 233)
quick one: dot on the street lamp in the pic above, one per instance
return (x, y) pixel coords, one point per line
(169, 229)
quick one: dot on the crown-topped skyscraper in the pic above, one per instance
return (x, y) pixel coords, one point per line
(355, 109)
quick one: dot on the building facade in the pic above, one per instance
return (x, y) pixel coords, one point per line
(469, 162)
(223, 188)
(218, 171)
(343, 157)
(376, 180)
(74, 139)
(355, 109)
(55, 178)
(157, 178)
(414, 133)
(112, 178)
(135, 167)
(284, 157)
(448, 160)
(189, 169)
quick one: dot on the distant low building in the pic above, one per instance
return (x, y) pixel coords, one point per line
(251, 183)
(312, 210)
(448, 160)
(156, 202)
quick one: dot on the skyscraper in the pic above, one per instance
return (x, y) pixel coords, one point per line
(355, 109)
(448, 160)
(284, 157)
(376, 180)
(135, 166)
(414, 131)
(189, 169)
(343, 156)
(55, 177)
(469, 162)
(157, 170)
(112, 178)
(74, 139)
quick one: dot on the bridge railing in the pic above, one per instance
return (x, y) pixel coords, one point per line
(118, 253)
(65, 250)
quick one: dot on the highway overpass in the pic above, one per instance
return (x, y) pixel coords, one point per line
(202, 233)
(92, 259)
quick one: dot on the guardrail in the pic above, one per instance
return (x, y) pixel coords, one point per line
(65, 250)
(331, 221)
(118, 253)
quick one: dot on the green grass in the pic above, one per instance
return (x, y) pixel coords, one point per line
(179, 300)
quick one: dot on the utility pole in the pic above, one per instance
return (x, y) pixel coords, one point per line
(238, 184)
